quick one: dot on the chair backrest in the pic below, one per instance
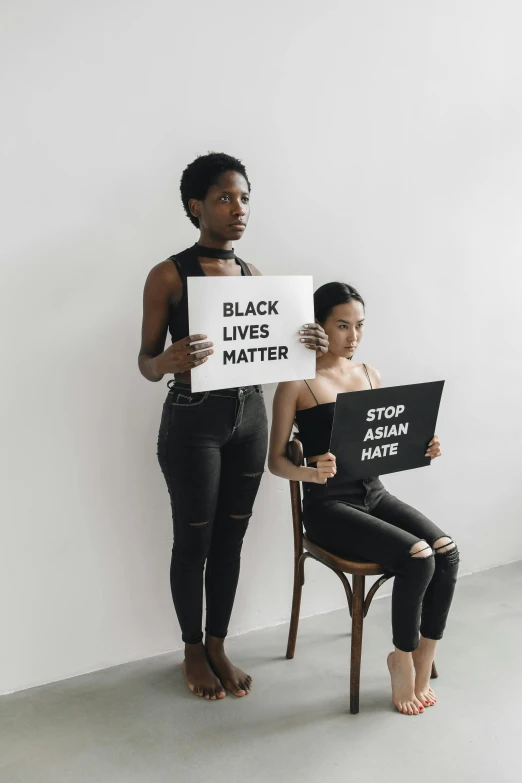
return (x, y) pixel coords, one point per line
(294, 452)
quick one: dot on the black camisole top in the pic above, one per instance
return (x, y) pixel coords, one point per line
(188, 265)
(315, 425)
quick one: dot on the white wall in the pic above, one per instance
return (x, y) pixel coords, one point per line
(384, 143)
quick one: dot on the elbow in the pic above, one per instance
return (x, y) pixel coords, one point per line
(145, 369)
(141, 366)
(272, 464)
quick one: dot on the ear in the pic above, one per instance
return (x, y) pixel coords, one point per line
(194, 205)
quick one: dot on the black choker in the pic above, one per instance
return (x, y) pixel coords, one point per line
(213, 252)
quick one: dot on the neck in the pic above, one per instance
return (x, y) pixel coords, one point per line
(330, 361)
(207, 240)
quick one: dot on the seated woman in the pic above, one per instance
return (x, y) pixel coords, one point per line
(360, 518)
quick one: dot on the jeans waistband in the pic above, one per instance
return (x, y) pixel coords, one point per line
(235, 393)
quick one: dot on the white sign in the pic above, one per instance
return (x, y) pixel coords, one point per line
(254, 323)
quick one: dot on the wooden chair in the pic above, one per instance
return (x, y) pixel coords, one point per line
(358, 603)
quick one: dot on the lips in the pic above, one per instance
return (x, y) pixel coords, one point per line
(237, 225)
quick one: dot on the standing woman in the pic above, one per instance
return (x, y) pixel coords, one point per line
(211, 445)
(360, 518)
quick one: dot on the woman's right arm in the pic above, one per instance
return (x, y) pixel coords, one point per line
(283, 415)
(162, 286)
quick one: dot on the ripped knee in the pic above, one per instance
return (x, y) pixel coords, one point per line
(421, 549)
(253, 475)
(198, 524)
(446, 546)
(240, 516)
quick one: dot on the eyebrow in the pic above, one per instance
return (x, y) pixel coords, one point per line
(231, 192)
(342, 321)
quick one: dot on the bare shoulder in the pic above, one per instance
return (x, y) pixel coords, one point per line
(375, 376)
(254, 270)
(164, 279)
(287, 392)
(165, 272)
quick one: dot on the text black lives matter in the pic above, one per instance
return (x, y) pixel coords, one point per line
(251, 332)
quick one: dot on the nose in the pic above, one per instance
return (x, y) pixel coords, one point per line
(238, 208)
(352, 336)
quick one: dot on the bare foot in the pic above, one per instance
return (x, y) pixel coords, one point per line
(402, 674)
(200, 678)
(422, 661)
(233, 679)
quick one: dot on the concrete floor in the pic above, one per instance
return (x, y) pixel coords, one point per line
(138, 723)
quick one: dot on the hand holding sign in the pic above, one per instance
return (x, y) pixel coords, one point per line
(184, 355)
(434, 448)
(315, 338)
(326, 467)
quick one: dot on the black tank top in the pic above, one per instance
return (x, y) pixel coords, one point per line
(315, 425)
(188, 265)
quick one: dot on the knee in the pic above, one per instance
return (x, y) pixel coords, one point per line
(227, 541)
(237, 525)
(419, 564)
(257, 475)
(446, 546)
(191, 544)
(421, 549)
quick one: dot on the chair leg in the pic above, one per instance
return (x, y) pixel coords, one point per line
(434, 672)
(296, 608)
(357, 631)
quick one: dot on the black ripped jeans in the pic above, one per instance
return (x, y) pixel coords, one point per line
(363, 520)
(212, 449)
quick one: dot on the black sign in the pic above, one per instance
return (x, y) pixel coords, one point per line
(384, 430)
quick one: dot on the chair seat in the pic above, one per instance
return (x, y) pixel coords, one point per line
(352, 566)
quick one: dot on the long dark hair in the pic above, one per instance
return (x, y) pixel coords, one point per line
(330, 295)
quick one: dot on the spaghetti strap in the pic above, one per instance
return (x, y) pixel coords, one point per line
(313, 395)
(368, 376)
